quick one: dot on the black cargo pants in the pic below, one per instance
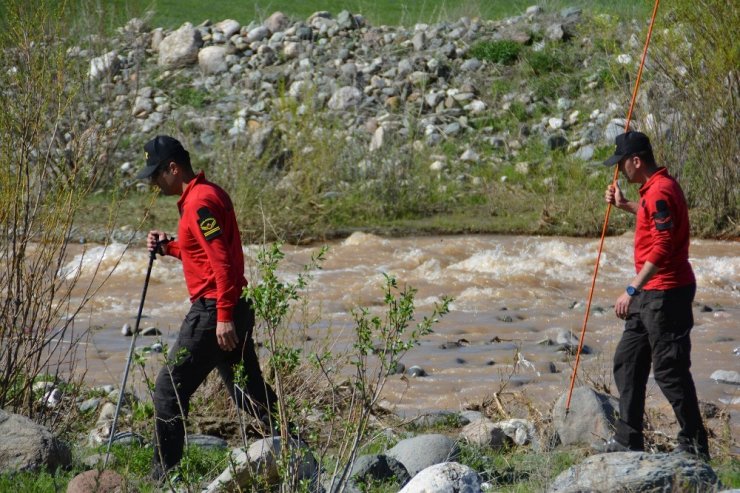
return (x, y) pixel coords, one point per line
(657, 332)
(195, 353)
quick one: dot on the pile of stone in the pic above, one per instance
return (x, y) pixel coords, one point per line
(418, 81)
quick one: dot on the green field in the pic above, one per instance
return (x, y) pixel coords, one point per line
(172, 13)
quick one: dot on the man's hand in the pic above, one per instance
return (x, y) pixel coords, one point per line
(153, 237)
(226, 336)
(622, 306)
(614, 196)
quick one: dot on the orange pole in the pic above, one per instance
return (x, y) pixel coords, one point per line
(608, 210)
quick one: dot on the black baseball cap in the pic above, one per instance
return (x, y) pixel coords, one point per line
(159, 149)
(629, 144)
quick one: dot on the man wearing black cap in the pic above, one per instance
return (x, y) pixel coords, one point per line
(656, 304)
(217, 331)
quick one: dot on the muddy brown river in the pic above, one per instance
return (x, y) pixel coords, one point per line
(510, 294)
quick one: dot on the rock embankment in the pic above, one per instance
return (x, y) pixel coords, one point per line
(424, 85)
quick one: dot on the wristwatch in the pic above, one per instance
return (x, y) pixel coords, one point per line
(631, 290)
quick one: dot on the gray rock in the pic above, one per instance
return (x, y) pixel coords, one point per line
(27, 446)
(590, 419)
(470, 65)
(228, 27)
(437, 448)
(467, 416)
(345, 98)
(89, 404)
(585, 153)
(484, 433)
(257, 34)
(104, 66)
(520, 431)
(180, 48)
(726, 376)
(212, 60)
(624, 472)
(555, 32)
(447, 477)
(260, 461)
(345, 20)
(419, 41)
(416, 371)
(277, 22)
(379, 468)
(207, 441)
(614, 128)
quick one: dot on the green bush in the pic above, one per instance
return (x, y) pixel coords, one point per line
(505, 52)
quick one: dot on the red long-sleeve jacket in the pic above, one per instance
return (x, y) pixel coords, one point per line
(662, 232)
(209, 246)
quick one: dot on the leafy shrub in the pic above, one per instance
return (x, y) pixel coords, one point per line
(505, 52)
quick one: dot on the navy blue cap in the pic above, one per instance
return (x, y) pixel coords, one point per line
(628, 144)
(159, 149)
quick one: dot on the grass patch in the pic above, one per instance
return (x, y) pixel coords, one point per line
(505, 52)
(173, 13)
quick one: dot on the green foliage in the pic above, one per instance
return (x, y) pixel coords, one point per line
(36, 482)
(191, 96)
(514, 469)
(504, 52)
(697, 78)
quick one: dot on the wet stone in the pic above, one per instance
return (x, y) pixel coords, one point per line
(416, 371)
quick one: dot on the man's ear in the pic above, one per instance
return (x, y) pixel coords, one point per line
(173, 167)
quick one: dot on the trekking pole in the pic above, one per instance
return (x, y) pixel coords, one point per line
(152, 256)
(609, 208)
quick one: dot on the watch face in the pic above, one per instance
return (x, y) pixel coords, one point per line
(631, 290)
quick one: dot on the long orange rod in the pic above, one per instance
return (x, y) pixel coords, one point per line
(608, 209)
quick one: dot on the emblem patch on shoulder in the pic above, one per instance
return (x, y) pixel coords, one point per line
(662, 216)
(208, 224)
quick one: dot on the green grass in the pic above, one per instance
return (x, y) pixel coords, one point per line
(172, 13)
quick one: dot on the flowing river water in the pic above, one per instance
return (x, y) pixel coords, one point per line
(510, 294)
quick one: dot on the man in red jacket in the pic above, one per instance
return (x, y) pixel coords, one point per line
(656, 304)
(217, 331)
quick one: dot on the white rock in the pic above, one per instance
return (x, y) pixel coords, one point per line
(257, 34)
(104, 66)
(475, 107)
(228, 27)
(377, 140)
(180, 48)
(345, 98)
(624, 59)
(447, 477)
(291, 50)
(726, 376)
(212, 60)
(437, 166)
(470, 156)
(555, 123)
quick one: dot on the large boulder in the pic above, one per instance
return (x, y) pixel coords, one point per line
(422, 451)
(180, 48)
(448, 477)
(636, 471)
(28, 446)
(590, 419)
